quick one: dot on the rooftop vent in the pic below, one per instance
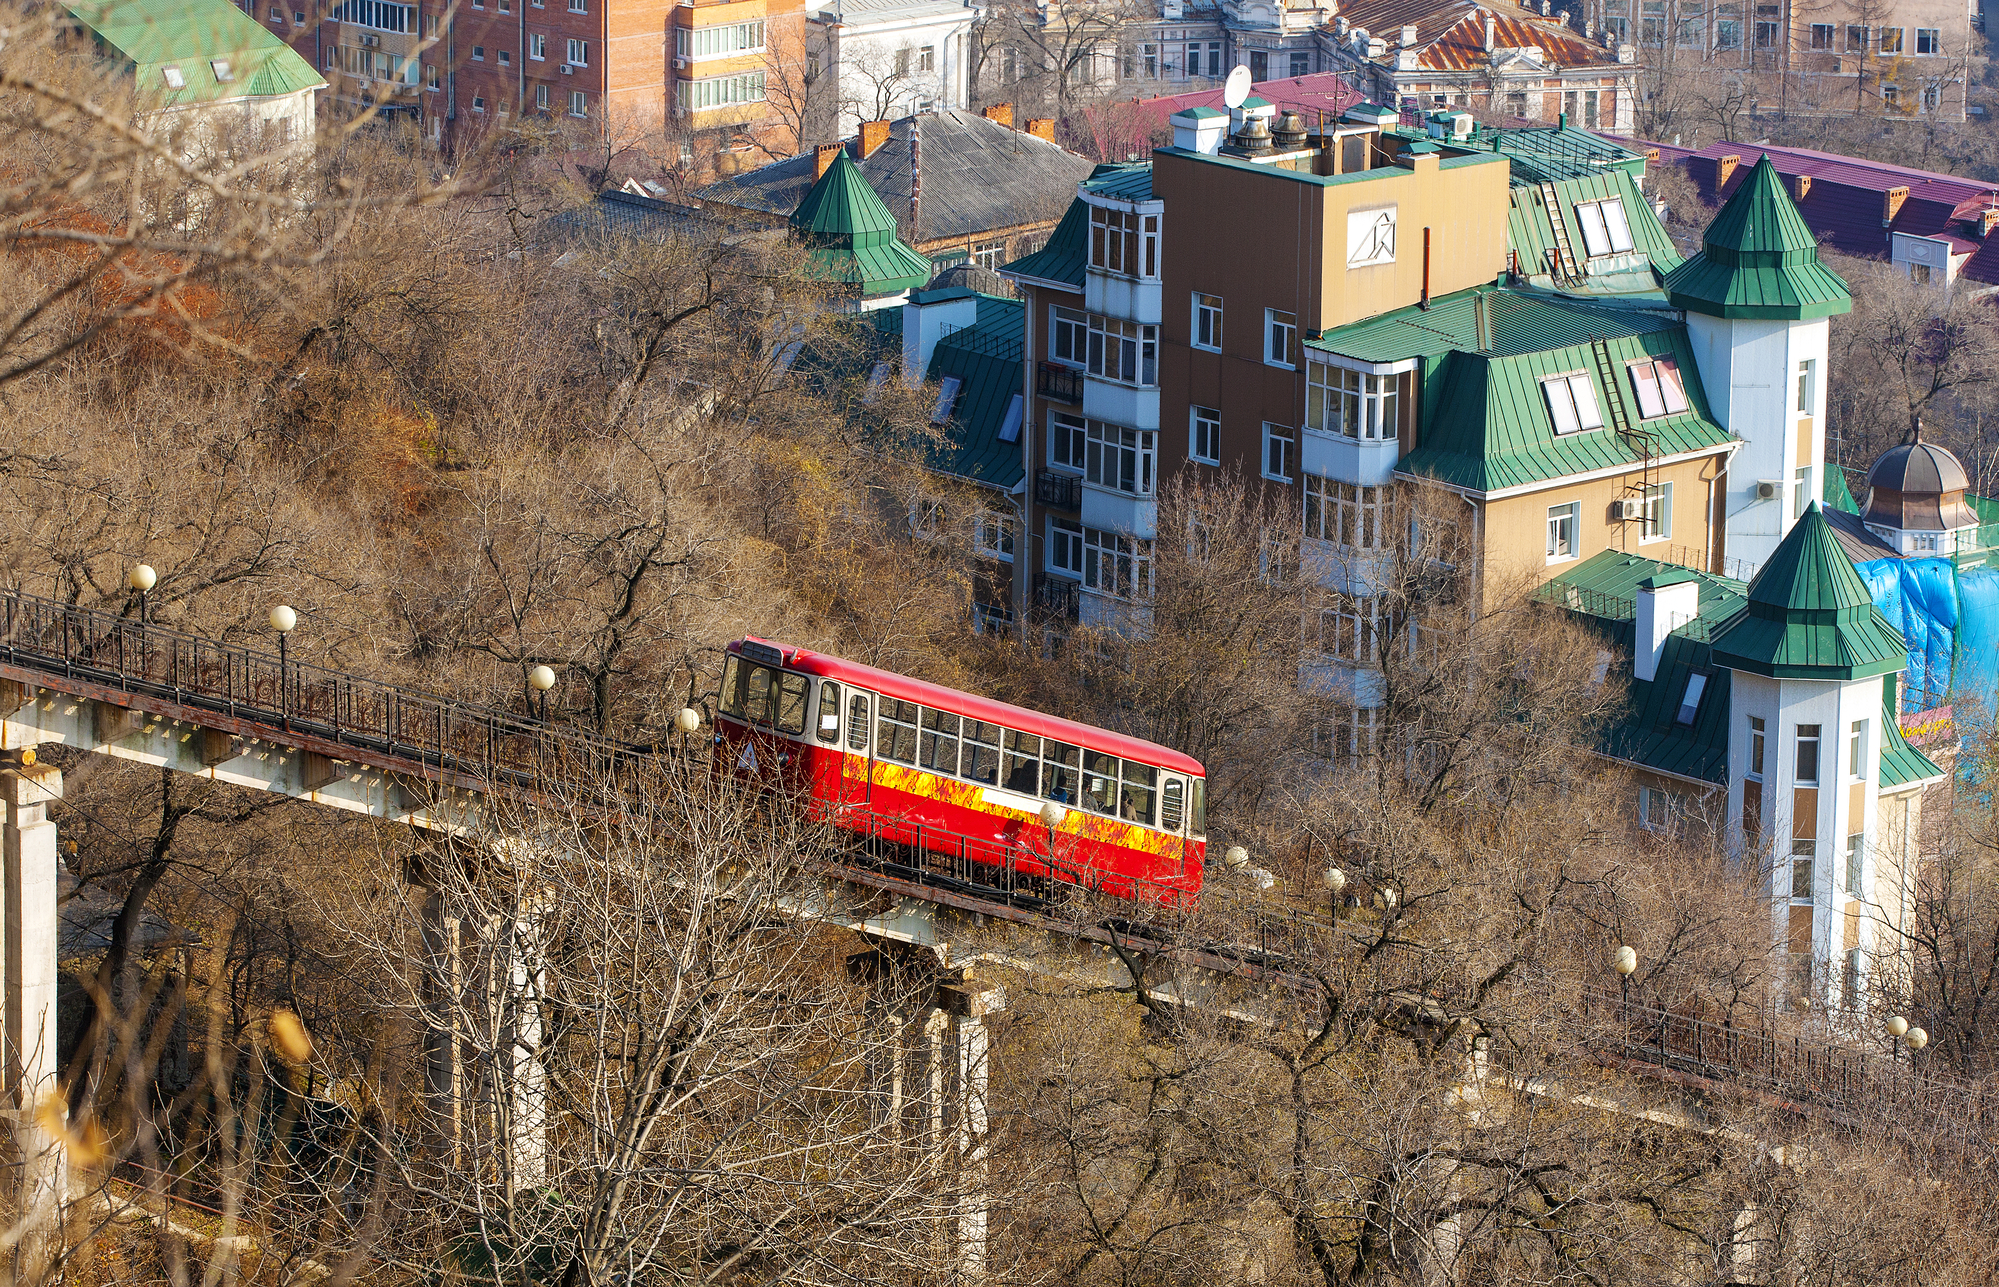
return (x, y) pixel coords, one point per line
(1253, 138)
(1289, 133)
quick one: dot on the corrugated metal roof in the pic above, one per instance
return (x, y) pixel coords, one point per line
(1810, 615)
(190, 35)
(1461, 46)
(1065, 257)
(1121, 182)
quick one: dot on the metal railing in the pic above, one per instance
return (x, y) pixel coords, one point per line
(1060, 491)
(1062, 383)
(1057, 595)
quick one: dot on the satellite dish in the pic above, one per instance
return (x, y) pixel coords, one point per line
(1237, 88)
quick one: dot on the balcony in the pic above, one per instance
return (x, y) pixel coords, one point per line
(1056, 595)
(1058, 491)
(1064, 384)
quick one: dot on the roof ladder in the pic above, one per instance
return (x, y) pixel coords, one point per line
(1566, 267)
(1641, 441)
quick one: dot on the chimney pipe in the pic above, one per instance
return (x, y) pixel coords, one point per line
(873, 135)
(1001, 112)
(1488, 33)
(1042, 128)
(822, 158)
(1666, 601)
(1724, 169)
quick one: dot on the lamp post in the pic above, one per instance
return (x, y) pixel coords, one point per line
(1053, 816)
(283, 620)
(1625, 961)
(540, 679)
(1898, 1027)
(1916, 1040)
(1336, 880)
(142, 578)
(687, 720)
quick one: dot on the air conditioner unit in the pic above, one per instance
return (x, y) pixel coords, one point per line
(1626, 511)
(1767, 490)
(566, 71)
(680, 64)
(370, 42)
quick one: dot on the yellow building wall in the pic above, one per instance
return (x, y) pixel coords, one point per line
(1464, 207)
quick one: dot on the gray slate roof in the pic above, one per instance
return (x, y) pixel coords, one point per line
(977, 175)
(612, 213)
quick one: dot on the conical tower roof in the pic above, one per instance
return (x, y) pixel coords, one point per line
(1810, 615)
(1758, 259)
(852, 234)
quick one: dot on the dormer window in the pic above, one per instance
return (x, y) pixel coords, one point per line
(1605, 230)
(1572, 403)
(220, 66)
(1690, 700)
(173, 77)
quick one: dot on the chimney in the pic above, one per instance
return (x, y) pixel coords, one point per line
(1407, 40)
(1667, 600)
(822, 158)
(1801, 185)
(1042, 127)
(927, 317)
(1488, 33)
(1987, 220)
(873, 135)
(1891, 204)
(1200, 129)
(1723, 169)
(1001, 112)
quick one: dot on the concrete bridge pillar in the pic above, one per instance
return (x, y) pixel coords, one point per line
(31, 1089)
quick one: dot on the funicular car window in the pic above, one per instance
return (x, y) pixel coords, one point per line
(1135, 805)
(895, 738)
(982, 752)
(857, 722)
(757, 700)
(1058, 772)
(791, 693)
(1197, 822)
(1023, 762)
(1100, 783)
(937, 748)
(732, 687)
(1172, 804)
(829, 711)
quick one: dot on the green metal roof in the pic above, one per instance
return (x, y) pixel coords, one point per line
(1121, 182)
(1810, 615)
(1530, 235)
(985, 358)
(1835, 493)
(1487, 427)
(1604, 588)
(190, 36)
(1758, 259)
(852, 234)
(1901, 764)
(1498, 320)
(1542, 155)
(1065, 256)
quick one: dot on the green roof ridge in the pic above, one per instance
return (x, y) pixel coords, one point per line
(1810, 615)
(1759, 259)
(852, 234)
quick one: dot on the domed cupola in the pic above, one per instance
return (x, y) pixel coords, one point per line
(1915, 498)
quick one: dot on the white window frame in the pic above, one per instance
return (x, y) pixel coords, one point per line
(1119, 458)
(1690, 699)
(720, 91)
(1657, 508)
(1116, 565)
(1856, 750)
(1350, 628)
(578, 54)
(948, 390)
(1067, 438)
(926, 518)
(1280, 339)
(1204, 422)
(1068, 328)
(1929, 40)
(1124, 243)
(1274, 434)
(1349, 515)
(1570, 513)
(1606, 230)
(1208, 318)
(1361, 405)
(993, 535)
(1065, 539)
(537, 47)
(1127, 352)
(1572, 403)
(579, 103)
(1808, 386)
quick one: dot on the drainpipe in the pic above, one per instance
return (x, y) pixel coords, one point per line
(1425, 302)
(521, 61)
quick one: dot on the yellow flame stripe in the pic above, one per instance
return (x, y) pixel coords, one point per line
(966, 795)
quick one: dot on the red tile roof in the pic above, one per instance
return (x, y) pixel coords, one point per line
(1848, 196)
(1326, 92)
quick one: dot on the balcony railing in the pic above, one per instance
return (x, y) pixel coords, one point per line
(1061, 383)
(1056, 595)
(1058, 491)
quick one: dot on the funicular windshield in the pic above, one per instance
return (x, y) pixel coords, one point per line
(759, 693)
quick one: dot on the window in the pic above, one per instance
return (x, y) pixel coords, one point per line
(538, 47)
(1804, 858)
(1280, 452)
(1124, 242)
(479, 53)
(1214, 60)
(895, 730)
(579, 53)
(1562, 521)
(1756, 732)
(828, 728)
(1009, 430)
(1351, 628)
(926, 59)
(1929, 40)
(1065, 546)
(1207, 321)
(1658, 507)
(506, 6)
(1657, 384)
(277, 15)
(1118, 458)
(1658, 809)
(1766, 26)
(947, 399)
(1932, 99)
(1856, 39)
(981, 753)
(1618, 29)
(579, 105)
(1891, 95)
(1349, 515)
(1126, 351)
(540, 96)
(1801, 490)
(1652, 23)
(721, 41)
(1605, 231)
(1148, 57)
(506, 58)
(1752, 814)
(1259, 65)
(1120, 566)
(1280, 343)
(1065, 441)
(220, 66)
(1068, 335)
(987, 255)
(1807, 371)
(1516, 105)
(478, 103)
(1808, 755)
(857, 722)
(1690, 700)
(720, 91)
(1572, 402)
(173, 78)
(1856, 852)
(1301, 64)
(579, 6)
(1856, 750)
(1204, 435)
(1350, 403)
(298, 17)
(925, 517)
(1728, 33)
(1822, 36)
(1888, 40)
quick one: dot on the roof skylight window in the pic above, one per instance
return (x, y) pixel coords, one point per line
(1572, 403)
(1690, 701)
(947, 398)
(220, 66)
(1657, 384)
(173, 78)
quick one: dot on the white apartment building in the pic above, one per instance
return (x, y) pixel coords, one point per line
(894, 58)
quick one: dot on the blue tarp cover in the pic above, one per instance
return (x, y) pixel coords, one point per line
(1920, 597)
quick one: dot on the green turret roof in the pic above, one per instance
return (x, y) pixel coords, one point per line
(1758, 259)
(1810, 615)
(852, 234)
